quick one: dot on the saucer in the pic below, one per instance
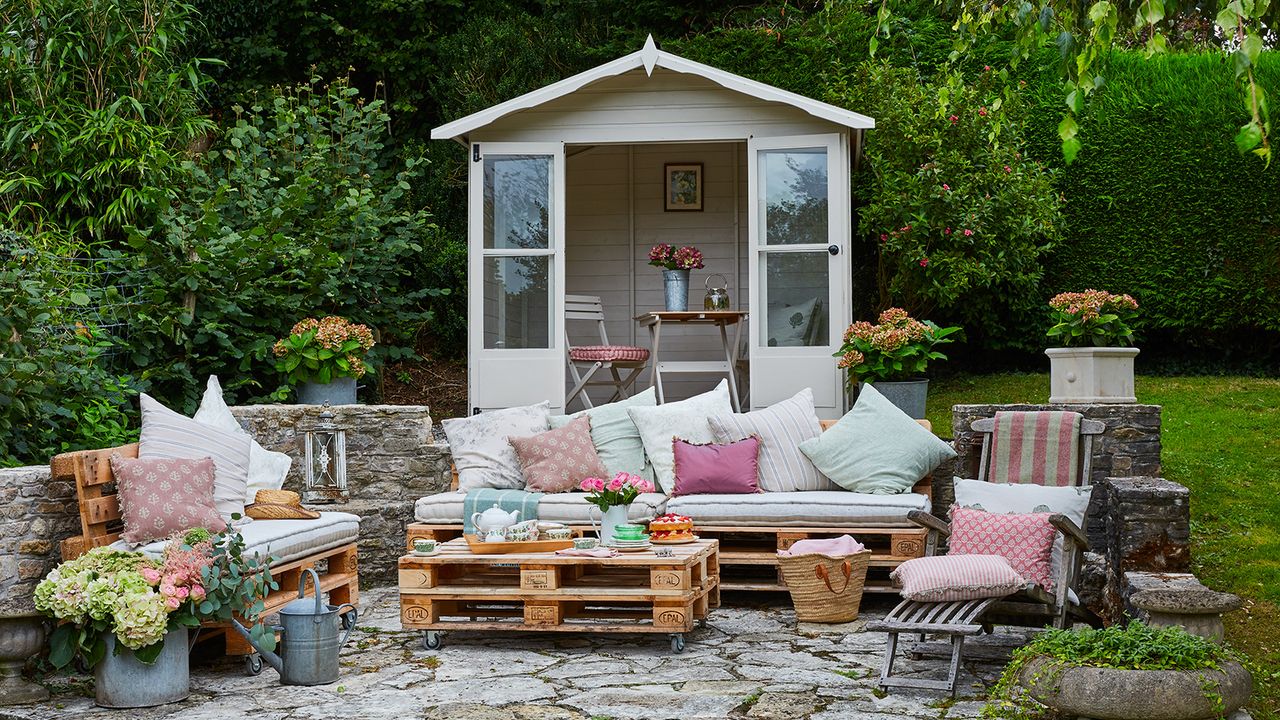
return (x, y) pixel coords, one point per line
(433, 553)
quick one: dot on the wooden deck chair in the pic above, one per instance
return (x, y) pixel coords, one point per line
(1032, 606)
(591, 359)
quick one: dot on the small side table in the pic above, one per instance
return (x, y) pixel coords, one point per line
(719, 318)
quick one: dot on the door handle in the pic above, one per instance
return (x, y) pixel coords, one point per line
(833, 249)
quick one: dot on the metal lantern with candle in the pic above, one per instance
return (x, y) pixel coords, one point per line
(326, 461)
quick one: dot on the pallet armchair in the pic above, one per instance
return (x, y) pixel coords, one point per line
(101, 525)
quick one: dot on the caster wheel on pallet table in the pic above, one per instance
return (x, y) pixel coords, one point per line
(431, 640)
(677, 643)
(348, 620)
(252, 664)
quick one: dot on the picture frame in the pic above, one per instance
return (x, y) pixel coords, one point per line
(682, 187)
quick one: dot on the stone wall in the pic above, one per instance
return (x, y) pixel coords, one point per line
(392, 461)
(35, 515)
(1148, 523)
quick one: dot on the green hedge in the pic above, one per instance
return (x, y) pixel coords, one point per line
(1161, 205)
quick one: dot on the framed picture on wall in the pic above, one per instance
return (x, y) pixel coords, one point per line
(683, 186)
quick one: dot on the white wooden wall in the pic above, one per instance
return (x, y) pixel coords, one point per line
(614, 216)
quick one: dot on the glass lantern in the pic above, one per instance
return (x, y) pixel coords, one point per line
(326, 461)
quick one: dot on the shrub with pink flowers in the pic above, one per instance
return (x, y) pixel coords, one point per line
(1093, 317)
(621, 490)
(669, 257)
(321, 350)
(898, 347)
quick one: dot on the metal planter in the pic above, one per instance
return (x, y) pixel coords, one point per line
(123, 681)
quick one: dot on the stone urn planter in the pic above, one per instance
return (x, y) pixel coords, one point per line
(1111, 694)
(1091, 374)
(21, 638)
(1199, 612)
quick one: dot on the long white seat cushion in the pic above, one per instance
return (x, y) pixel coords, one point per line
(806, 508)
(565, 507)
(284, 540)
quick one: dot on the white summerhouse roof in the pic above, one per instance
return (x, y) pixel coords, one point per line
(650, 57)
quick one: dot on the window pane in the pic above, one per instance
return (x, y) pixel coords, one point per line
(795, 299)
(794, 188)
(517, 302)
(517, 200)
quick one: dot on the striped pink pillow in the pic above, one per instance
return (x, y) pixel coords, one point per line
(1024, 539)
(957, 577)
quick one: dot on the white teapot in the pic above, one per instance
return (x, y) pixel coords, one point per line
(494, 521)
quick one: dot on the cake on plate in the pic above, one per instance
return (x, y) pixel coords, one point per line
(671, 528)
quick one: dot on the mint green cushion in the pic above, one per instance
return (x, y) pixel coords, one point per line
(615, 436)
(876, 448)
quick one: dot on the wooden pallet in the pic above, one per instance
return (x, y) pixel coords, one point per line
(630, 593)
(748, 555)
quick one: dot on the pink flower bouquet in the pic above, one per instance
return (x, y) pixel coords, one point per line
(621, 490)
(672, 258)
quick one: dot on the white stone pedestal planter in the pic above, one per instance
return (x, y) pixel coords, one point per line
(1091, 375)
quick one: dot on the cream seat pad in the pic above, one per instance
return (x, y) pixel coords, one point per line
(806, 508)
(285, 540)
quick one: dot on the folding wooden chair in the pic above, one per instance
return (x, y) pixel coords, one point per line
(591, 359)
(1032, 606)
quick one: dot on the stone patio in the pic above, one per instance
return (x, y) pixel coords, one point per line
(751, 661)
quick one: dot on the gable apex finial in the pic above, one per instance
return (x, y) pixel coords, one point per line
(649, 55)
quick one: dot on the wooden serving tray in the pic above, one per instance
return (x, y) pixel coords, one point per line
(481, 547)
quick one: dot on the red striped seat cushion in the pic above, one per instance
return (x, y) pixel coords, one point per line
(608, 353)
(945, 578)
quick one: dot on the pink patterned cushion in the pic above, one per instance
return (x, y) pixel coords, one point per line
(161, 496)
(608, 353)
(1024, 539)
(557, 460)
(715, 469)
(945, 578)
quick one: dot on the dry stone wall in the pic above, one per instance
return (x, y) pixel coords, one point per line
(35, 515)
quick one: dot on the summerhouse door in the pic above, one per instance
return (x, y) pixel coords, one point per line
(798, 227)
(515, 265)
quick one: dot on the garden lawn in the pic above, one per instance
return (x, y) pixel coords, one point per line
(1221, 439)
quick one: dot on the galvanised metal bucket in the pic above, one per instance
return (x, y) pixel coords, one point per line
(676, 285)
(123, 681)
(341, 391)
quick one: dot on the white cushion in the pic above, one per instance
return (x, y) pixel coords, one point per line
(817, 508)
(481, 453)
(568, 507)
(266, 468)
(686, 419)
(1007, 498)
(283, 540)
(172, 435)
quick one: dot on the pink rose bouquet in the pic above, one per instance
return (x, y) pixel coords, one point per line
(621, 490)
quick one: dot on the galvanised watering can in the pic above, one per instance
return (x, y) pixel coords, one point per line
(310, 644)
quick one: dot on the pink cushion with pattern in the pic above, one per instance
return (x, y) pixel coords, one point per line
(558, 460)
(161, 496)
(608, 353)
(944, 578)
(1024, 539)
(717, 469)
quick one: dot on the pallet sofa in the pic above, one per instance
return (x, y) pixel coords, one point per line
(327, 544)
(751, 528)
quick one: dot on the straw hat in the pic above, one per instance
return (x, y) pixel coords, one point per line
(279, 505)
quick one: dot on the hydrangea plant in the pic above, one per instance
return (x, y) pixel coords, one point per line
(669, 257)
(1093, 317)
(898, 347)
(321, 350)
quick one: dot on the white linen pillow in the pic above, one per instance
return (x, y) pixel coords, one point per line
(781, 428)
(267, 469)
(684, 419)
(481, 453)
(1005, 498)
(172, 435)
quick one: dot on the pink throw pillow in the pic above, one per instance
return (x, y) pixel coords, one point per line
(1024, 539)
(944, 578)
(161, 496)
(717, 469)
(557, 460)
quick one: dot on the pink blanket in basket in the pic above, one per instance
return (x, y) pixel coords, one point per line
(834, 547)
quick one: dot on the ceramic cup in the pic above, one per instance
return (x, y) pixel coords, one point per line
(518, 534)
(424, 546)
(585, 543)
(559, 534)
(628, 532)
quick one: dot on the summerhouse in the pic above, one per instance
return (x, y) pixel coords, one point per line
(572, 184)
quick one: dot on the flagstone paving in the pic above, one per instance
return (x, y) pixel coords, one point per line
(751, 661)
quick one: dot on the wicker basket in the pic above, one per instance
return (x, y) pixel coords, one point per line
(825, 588)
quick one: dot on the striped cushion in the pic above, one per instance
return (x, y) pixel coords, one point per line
(946, 578)
(781, 428)
(167, 434)
(608, 353)
(1024, 539)
(1038, 448)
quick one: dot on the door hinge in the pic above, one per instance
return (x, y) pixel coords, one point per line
(475, 411)
(475, 152)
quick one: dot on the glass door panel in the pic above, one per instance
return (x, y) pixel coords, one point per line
(794, 288)
(517, 201)
(517, 302)
(796, 202)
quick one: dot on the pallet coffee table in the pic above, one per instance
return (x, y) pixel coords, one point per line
(635, 592)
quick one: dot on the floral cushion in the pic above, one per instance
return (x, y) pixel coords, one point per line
(481, 453)
(162, 496)
(608, 353)
(616, 437)
(1024, 539)
(557, 460)
(946, 578)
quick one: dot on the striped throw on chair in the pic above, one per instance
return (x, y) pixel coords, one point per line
(1038, 448)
